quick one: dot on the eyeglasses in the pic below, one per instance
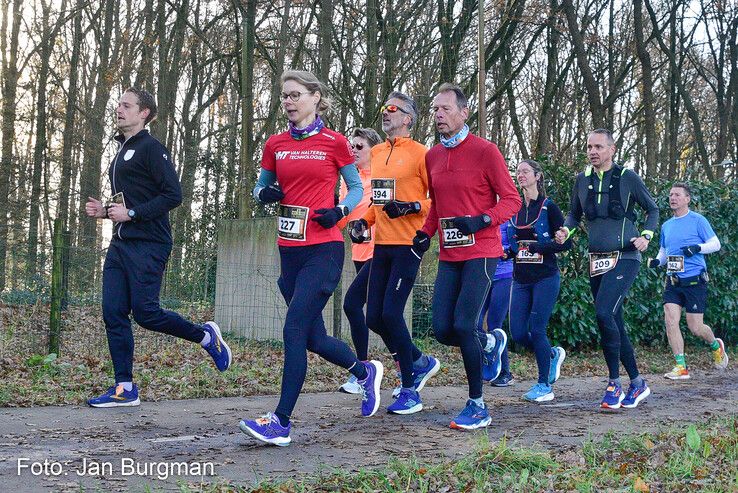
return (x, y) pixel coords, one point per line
(358, 147)
(392, 108)
(294, 95)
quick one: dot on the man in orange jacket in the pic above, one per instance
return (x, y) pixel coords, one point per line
(400, 206)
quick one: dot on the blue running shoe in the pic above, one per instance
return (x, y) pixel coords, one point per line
(635, 395)
(422, 375)
(217, 347)
(267, 429)
(558, 355)
(370, 388)
(471, 417)
(613, 396)
(488, 366)
(116, 397)
(408, 402)
(540, 392)
(494, 357)
(504, 380)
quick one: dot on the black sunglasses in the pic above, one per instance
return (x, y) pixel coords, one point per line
(358, 147)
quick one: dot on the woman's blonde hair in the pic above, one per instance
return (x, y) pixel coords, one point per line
(312, 84)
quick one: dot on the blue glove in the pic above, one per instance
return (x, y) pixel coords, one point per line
(270, 194)
(421, 242)
(357, 231)
(691, 250)
(397, 208)
(328, 217)
(469, 225)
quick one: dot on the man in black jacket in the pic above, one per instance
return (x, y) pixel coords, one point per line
(145, 187)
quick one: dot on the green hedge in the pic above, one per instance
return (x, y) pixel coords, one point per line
(573, 321)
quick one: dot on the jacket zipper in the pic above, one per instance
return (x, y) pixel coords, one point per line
(115, 165)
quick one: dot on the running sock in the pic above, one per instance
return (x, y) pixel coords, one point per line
(715, 345)
(206, 339)
(358, 370)
(127, 386)
(637, 381)
(284, 420)
(421, 362)
(616, 381)
(680, 360)
(479, 402)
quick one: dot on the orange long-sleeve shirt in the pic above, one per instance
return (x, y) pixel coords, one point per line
(398, 173)
(360, 252)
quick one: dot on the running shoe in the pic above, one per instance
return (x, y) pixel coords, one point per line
(613, 396)
(636, 395)
(471, 417)
(488, 366)
(678, 373)
(540, 392)
(720, 356)
(116, 397)
(217, 347)
(408, 402)
(420, 376)
(558, 355)
(504, 380)
(267, 429)
(350, 386)
(370, 387)
(496, 356)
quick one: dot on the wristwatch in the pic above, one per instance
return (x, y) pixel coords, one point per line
(486, 219)
(647, 236)
(132, 214)
(344, 209)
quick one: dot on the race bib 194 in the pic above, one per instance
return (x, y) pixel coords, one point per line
(452, 237)
(525, 256)
(292, 222)
(674, 264)
(599, 263)
(383, 190)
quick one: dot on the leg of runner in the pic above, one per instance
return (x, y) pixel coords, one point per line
(696, 324)
(353, 307)
(309, 276)
(672, 315)
(460, 291)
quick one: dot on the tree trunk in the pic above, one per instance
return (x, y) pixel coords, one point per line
(649, 114)
(10, 86)
(246, 174)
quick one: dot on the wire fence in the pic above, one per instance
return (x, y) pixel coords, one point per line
(234, 283)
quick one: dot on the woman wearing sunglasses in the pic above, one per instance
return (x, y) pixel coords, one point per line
(536, 279)
(400, 205)
(306, 161)
(362, 141)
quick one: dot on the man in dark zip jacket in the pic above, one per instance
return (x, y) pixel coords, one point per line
(145, 187)
(606, 195)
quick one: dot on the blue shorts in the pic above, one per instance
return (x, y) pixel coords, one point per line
(692, 297)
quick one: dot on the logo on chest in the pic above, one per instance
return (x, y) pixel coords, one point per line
(129, 154)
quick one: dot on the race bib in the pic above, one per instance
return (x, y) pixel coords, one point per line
(383, 190)
(599, 263)
(674, 264)
(367, 232)
(525, 256)
(452, 237)
(292, 222)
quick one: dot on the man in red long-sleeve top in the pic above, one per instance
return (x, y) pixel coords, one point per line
(471, 193)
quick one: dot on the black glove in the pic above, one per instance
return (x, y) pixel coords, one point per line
(469, 225)
(691, 250)
(328, 217)
(421, 242)
(653, 263)
(508, 254)
(397, 208)
(270, 194)
(357, 231)
(533, 247)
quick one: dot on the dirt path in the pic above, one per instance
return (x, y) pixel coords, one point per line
(327, 431)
